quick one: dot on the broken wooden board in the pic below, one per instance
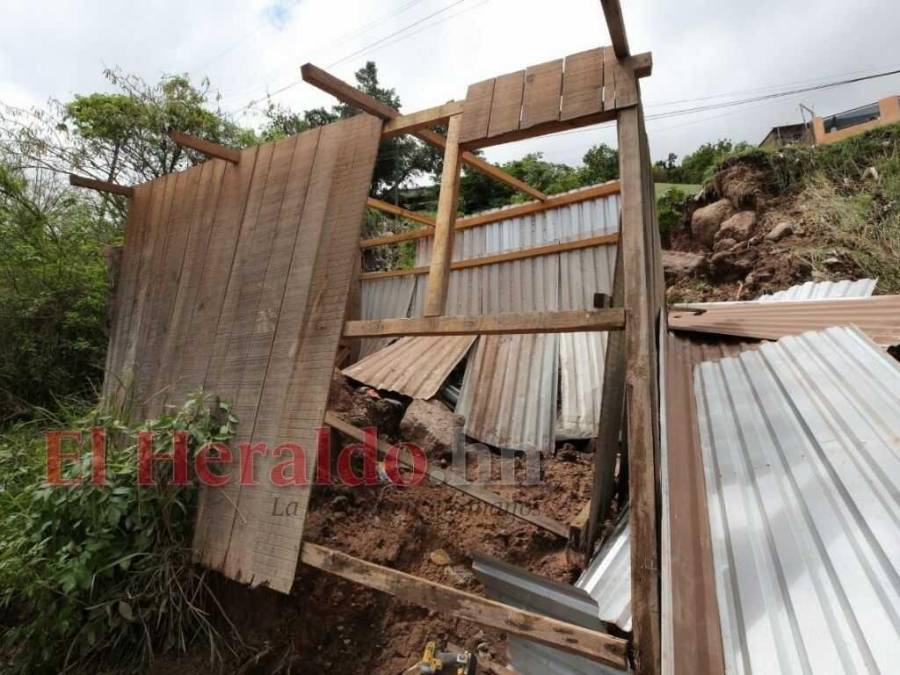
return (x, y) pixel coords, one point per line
(236, 278)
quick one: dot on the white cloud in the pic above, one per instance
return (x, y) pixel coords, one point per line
(701, 48)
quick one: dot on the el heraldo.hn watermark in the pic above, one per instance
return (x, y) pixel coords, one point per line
(288, 465)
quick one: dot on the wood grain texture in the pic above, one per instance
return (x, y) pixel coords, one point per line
(542, 92)
(477, 111)
(460, 604)
(442, 250)
(506, 107)
(582, 92)
(237, 281)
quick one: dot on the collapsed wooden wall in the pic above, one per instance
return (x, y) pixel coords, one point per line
(235, 277)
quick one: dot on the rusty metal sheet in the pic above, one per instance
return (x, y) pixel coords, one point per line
(389, 298)
(877, 316)
(412, 366)
(801, 452)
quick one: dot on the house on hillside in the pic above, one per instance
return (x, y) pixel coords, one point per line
(852, 122)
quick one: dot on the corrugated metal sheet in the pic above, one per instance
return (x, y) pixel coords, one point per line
(608, 577)
(509, 397)
(520, 588)
(861, 288)
(878, 317)
(801, 447)
(414, 366)
(389, 298)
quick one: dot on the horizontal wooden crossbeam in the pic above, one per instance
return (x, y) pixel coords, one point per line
(575, 245)
(475, 491)
(446, 600)
(352, 96)
(518, 211)
(100, 185)
(205, 147)
(387, 207)
(423, 119)
(512, 323)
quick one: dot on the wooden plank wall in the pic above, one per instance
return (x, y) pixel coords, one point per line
(235, 277)
(583, 88)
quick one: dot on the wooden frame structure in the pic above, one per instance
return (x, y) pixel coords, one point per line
(585, 88)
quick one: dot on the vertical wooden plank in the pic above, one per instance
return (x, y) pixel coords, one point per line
(216, 509)
(442, 249)
(639, 387)
(542, 92)
(506, 106)
(266, 546)
(477, 111)
(610, 69)
(582, 92)
(147, 294)
(612, 409)
(179, 340)
(123, 304)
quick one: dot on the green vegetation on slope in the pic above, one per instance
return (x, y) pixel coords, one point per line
(101, 577)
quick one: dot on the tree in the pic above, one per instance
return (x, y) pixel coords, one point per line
(400, 159)
(53, 292)
(601, 163)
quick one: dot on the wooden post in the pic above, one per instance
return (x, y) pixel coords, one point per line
(612, 406)
(638, 259)
(442, 250)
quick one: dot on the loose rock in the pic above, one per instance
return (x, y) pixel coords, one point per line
(681, 263)
(739, 227)
(780, 231)
(431, 426)
(706, 220)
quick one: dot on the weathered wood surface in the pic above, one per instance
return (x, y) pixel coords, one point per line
(463, 605)
(582, 89)
(236, 277)
(510, 323)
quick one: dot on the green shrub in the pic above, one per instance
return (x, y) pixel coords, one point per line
(670, 210)
(102, 576)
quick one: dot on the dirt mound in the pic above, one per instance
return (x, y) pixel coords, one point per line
(751, 237)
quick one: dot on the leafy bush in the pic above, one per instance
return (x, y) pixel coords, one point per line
(53, 294)
(102, 576)
(670, 210)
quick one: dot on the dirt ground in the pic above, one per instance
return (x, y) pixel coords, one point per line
(328, 625)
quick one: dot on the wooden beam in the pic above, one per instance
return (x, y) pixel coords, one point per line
(446, 601)
(575, 245)
(423, 119)
(459, 484)
(640, 64)
(387, 207)
(640, 344)
(556, 201)
(352, 96)
(612, 410)
(205, 147)
(442, 247)
(100, 185)
(612, 9)
(512, 323)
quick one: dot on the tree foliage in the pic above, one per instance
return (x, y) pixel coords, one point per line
(700, 165)
(53, 292)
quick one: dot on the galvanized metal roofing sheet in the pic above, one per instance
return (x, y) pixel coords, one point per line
(861, 288)
(520, 588)
(607, 578)
(509, 396)
(413, 366)
(877, 316)
(388, 298)
(801, 447)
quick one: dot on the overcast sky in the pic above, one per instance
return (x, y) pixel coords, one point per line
(704, 52)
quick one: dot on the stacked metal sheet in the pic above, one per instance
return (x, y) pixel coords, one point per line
(822, 290)
(801, 448)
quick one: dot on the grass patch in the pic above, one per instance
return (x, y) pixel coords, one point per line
(101, 578)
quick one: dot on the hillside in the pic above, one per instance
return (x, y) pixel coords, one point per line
(768, 220)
